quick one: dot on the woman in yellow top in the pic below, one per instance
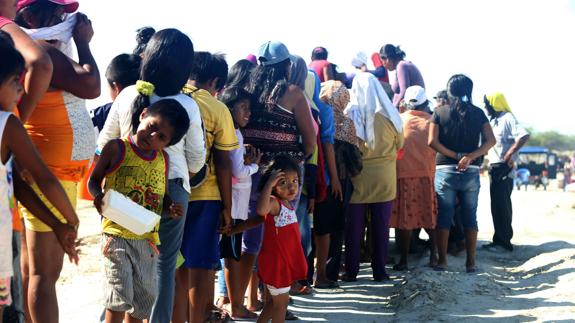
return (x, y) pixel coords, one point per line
(61, 129)
(379, 126)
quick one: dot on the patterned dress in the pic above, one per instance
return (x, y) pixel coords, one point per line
(275, 133)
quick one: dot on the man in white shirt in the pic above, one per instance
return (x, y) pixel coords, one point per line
(510, 136)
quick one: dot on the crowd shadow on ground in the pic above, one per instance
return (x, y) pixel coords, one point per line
(362, 301)
(510, 287)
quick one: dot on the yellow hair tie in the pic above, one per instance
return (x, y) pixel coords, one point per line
(145, 88)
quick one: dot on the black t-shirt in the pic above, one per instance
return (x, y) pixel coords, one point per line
(100, 114)
(457, 134)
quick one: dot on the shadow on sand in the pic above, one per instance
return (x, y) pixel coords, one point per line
(506, 288)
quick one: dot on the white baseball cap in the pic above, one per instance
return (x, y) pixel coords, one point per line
(415, 95)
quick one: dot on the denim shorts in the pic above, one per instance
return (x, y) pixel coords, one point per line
(452, 187)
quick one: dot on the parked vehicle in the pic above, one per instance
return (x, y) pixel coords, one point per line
(541, 164)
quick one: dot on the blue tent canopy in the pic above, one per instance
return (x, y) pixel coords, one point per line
(533, 149)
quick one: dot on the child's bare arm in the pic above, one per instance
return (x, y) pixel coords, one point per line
(28, 158)
(247, 224)
(109, 154)
(266, 204)
(171, 208)
(66, 233)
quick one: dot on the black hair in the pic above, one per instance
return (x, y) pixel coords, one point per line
(166, 64)
(281, 163)
(442, 95)
(232, 95)
(174, 112)
(239, 73)
(12, 61)
(124, 70)
(319, 53)
(143, 36)
(6, 39)
(208, 67)
(392, 52)
(490, 109)
(43, 10)
(459, 88)
(268, 83)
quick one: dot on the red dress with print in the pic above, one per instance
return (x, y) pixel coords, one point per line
(281, 260)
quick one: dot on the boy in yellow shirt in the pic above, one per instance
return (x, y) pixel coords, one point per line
(212, 200)
(137, 167)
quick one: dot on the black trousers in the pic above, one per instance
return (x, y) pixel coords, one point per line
(502, 211)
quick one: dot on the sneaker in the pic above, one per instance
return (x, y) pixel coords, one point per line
(491, 247)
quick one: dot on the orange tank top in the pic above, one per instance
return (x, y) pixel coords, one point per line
(61, 129)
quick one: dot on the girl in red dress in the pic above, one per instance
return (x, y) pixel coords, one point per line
(281, 259)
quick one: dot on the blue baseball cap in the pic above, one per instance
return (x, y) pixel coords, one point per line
(273, 52)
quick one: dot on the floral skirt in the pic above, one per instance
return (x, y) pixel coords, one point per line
(415, 205)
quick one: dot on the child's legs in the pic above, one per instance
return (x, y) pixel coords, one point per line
(130, 319)
(253, 287)
(324, 223)
(45, 264)
(181, 302)
(222, 283)
(251, 244)
(119, 317)
(233, 272)
(130, 273)
(199, 292)
(171, 232)
(114, 317)
(276, 304)
(210, 293)
(17, 291)
(249, 279)
(201, 252)
(354, 233)
(25, 270)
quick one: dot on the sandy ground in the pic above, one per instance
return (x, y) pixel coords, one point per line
(534, 283)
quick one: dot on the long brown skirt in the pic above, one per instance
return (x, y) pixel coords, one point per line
(416, 204)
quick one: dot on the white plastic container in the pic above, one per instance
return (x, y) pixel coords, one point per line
(125, 212)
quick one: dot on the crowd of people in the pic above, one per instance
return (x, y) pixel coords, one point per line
(266, 173)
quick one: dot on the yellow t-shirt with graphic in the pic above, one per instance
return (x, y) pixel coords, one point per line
(141, 178)
(220, 134)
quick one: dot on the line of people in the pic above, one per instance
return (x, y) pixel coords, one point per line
(262, 171)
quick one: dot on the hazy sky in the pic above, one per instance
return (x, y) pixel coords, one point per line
(524, 49)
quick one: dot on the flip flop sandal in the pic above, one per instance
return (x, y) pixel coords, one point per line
(291, 316)
(326, 285)
(304, 290)
(258, 308)
(348, 279)
(218, 317)
(439, 268)
(400, 267)
(247, 315)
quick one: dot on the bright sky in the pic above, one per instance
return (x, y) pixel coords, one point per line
(524, 49)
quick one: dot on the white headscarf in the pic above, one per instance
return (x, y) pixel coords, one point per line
(61, 32)
(359, 60)
(367, 99)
